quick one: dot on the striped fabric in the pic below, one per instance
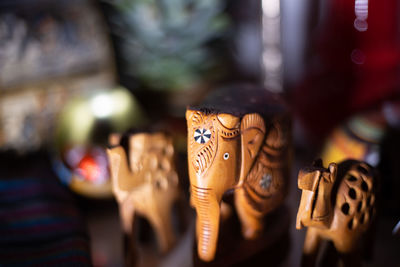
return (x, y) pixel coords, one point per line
(40, 225)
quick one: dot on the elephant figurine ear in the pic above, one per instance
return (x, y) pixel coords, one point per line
(194, 116)
(252, 130)
(189, 114)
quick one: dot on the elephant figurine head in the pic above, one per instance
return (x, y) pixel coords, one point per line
(146, 182)
(226, 152)
(316, 206)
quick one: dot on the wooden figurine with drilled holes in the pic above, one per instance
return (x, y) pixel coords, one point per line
(241, 145)
(145, 183)
(337, 204)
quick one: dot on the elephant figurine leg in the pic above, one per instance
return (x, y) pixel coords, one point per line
(226, 211)
(163, 229)
(127, 210)
(127, 213)
(310, 249)
(130, 250)
(252, 225)
(349, 253)
(329, 257)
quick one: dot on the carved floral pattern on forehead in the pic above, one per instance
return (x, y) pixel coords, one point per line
(202, 139)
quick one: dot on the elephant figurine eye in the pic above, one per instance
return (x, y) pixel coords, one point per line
(226, 156)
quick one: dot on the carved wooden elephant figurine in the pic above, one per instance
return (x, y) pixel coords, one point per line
(248, 154)
(337, 204)
(146, 183)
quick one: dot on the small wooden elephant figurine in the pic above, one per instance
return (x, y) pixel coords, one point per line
(146, 184)
(337, 204)
(246, 152)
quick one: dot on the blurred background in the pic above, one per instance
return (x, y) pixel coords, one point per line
(72, 72)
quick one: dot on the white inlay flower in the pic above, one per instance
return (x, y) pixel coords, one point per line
(202, 135)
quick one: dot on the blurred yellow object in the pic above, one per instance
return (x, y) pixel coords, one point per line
(118, 108)
(341, 146)
(357, 139)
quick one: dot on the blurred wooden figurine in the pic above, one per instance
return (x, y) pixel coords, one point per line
(246, 152)
(337, 204)
(146, 183)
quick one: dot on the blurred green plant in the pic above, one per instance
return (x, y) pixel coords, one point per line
(164, 42)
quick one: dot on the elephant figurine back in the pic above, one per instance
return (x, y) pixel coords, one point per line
(145, 183)
(239, 141)
(337, 204)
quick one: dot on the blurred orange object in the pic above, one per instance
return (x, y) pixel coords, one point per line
(89, 168)
(359, 138)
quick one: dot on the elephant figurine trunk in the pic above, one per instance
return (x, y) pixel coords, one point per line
(337, 204)
(207, 223)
